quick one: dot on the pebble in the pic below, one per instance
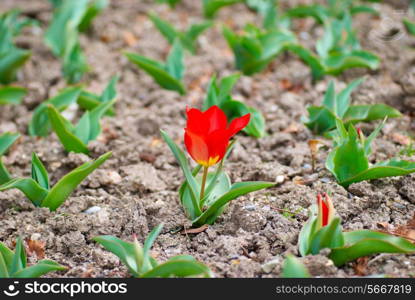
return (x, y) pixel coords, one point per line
(92, 210)
(250, 207)
(325, 180)
(269, 266)
(280, 179)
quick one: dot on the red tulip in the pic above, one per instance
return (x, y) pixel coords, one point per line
(207, 134)
(325, 210)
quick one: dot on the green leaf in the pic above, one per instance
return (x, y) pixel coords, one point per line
(41, 268)
(11, 62)
(367, 113)
(7, 258)
(95, 7)
(158, 72)
(4, 272)
(336, 63)
(4, 174)
(147, 246)
(6, 140)
(316, 11)
(184, 164)
(12, 94)
(306, 234)
(211, 7)
(174, 62)
(165, 28)
(317, 68)
(39, 173)
(237, 190)
(40, 125)
(65, 133)
(366, 242)
(19, 258)
(123, 250)
(343, 98)
(179, 268)
(330, 236)
(27, 186)
(171, 3)
(410, 27)
(74, 65)
(381, 170)
(68, 183)
(293, 268)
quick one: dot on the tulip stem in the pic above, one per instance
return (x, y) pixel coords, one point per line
(204, 178)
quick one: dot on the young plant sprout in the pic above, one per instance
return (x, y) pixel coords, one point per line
(187, 38)
(13, 264)
(334, 54)
(6, 140)
(323, 230)
(219, 94)
(256, 48)
(349, 160)
(62, 36)
(12, 58)
(76, 138)
(322, 119)
(140, 264)
(207, 136)
(38, 190)
(40, 124)
(168, 75)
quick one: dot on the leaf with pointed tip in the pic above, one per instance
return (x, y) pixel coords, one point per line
(366, 242)
(65, 132)
(12, 94)
(11, 62)
(179, 267)
(123, 250)
(329, 236)
(6, 140)
(41, 268)
(158, 72)
(19, 258)
(293, 268)
(40, 125)
(39, 173)
(95, 7)
(7, 256)
(68, 183)
(165, 28)
(211, 7)
(238, 189)
(27, 186)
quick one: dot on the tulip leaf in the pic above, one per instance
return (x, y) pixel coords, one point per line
(89, 101)
(178, 268)
(40, 125)
(366, 242)
(41, 268)
(123, 250)
(329, 236)
(65, 132)
(13, 264)
(68, 183)
(293, 268)
(6, 140)
(10, 62)
(39, 173)
(322, 119)
(238, 189)
(164, 74)
(306, 235)
(194, 187)
(187, 38)
(12, 94)
(95, 7)
(141, 264)
(410, 26)
(32, 190)
(171, 3)
(211, 7)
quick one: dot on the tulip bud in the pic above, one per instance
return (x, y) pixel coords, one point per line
(325, 210)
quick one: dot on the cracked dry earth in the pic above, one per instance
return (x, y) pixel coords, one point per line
(137, 188)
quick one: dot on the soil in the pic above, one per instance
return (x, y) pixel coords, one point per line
(136, 189)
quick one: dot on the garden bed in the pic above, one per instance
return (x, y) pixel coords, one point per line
(136, 189)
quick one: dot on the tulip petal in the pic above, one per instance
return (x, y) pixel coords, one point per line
(217, 142)
(216, 119)
(197, 147)
(238, 124)
(196, 121)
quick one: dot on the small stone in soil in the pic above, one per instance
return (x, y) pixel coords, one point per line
(92, 210)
